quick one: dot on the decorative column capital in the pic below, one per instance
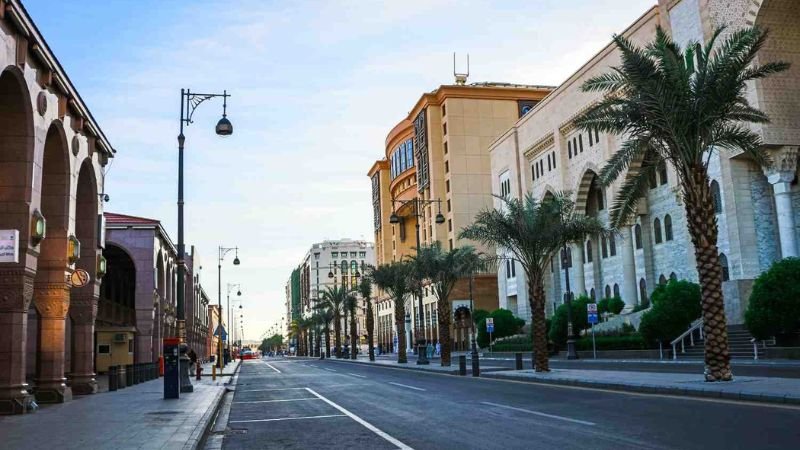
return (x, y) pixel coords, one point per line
(783, 168)
(51, 299)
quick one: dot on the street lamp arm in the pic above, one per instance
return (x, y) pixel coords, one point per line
(193, 100)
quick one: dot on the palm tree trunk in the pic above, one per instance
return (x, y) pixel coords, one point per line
(353, 335)
(318, 338)
(344, 334)
(443, 313)
(702, 223)
(327, 341)
(337, 337)
(370, 326)
(400, 323)
(536, 299)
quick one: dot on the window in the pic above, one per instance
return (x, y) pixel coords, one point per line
(362, 255)
(657, 230)
(590, 138)
(334, 255)
(549, 168)
(612, 243)
(643, 292)
(600, 203)
(352, 254)
(554, 160)
(447, 185)
(451, 244)
(444, 129)
(580, 142)
(513, 268)
(716, 197)
(103, 349)
(662, 279)
(569, 149)
(668, 227)
(445, 147)
(448, 205)
(444, 110)
(608, 291)
(596, 135)
(446, 166)
(575, 146)
(673, 276)
(591, 294)
(637, 236)
(662, 173)
(723, 263)
(589, 250)
(616, 287)
(651, 179)
(604, 247)
(449, 225)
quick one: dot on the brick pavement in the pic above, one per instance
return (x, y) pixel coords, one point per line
(136, 417)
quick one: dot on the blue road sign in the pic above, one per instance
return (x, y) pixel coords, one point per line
(220, 331)
(591, 309)
(593, 318)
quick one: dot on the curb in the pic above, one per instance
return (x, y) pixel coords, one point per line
(656, 389)
(200, 434)
(413, 367)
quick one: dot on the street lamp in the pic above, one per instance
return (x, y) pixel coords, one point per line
(565, 260)
(222, 251)
(189, 103)
(422, 357)
(231, 324)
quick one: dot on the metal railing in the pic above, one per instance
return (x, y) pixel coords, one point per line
(697, 325)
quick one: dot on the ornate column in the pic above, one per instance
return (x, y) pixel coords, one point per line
(629, 284)
(51, 298)
(781, 174)
(577, 263)
(16, 292)
(83, 312)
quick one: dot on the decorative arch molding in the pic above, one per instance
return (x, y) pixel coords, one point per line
(589, 171)
(753, 8)
(112, 243)
(548, 190)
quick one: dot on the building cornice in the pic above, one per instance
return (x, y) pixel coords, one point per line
(542, 143)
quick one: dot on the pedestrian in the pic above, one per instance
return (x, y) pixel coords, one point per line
(429, 350)
(192, 357)
(438, 348)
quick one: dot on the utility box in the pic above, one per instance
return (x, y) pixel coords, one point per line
(114, 346)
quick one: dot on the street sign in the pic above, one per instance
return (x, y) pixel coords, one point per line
(80, 278)
(489, 325)
(591, 309)
(9, 246)
(220, 331)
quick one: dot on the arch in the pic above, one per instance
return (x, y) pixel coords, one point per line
(657, 230)
(716, 196)
(55, 198)
(637, 236)
(662, 279)
(590, 172)
(616, 290)
(549, 193)
(723, 263)
(643, 300)
(673, 276)
(592, 294)
(608, 291)
(588, 250)
(667, 227)
(86, 208)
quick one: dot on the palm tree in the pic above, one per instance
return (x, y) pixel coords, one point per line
(294, 331)
(365, 290)
(394, 280)
(325, 313)
(534, 232)
(350, 305)
(318, 319)
(676, 106)
(333, 298)
(443, 269)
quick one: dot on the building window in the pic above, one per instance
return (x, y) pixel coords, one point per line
(549, 168)
(444, 110)
(657, 230)
(447, 167)
(608, 291)
(444, 129)
(451, 244)
(447, 184)
(652, 180)
(673, 276)
(334, 255)
(592, 295)
(637, 236)
(716, 197)
(569, 149)
(643, 292)
(448, 205)
(580, 142)
(662, 173)
(604, 247)
(612, 243)
(662, 280)
(554, 160)
(575, 145)
(590, 138)
(445, 147)
(596, 135)
(589, 250)
(723, 263)
(362, 255)
(616, 286)
(668, 227)
(449, 225)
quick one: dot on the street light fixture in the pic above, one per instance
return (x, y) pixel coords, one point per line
(222, 252)
(189, 103)
(422, 357)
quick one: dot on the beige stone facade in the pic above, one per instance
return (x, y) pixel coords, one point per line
(438, 155)
(758, 209)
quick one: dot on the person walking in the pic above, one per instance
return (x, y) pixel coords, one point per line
(438, 348)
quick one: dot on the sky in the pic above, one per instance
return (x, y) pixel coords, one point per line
(315, 88)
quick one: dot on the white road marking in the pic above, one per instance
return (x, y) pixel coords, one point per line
(536, 413)
(282, 400)
(286, 418)
(406, 386)
(269, 389)
(330, 370)
(363, 422)
(356, 375)
(272, 367)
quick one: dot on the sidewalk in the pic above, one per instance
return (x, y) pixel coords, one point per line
(390, 360)
(136, 417)
(759, 389)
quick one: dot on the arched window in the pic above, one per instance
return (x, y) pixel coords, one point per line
(716, 197)
(608, 291)
(600, 201)
(643, 300)
(612, 244)
(662, 173)
(662, 279)
(657, 230)
(604, 246)
(344, 267)
(673, 276)
(723, 262)
(652, 179)
(616, 290)
(591, 294)
(637, 235)
(668, 227)
(569, 257)
(589, 250)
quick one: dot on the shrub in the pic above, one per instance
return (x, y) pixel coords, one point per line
(505, 324)
(602, 306)
(580, 320)
(774, 306)
(615, 305)
(630, 342)
(675, 306)
(479, 315)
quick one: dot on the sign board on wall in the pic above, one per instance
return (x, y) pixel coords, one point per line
(9, 246)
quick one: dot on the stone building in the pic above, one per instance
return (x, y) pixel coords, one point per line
(52, 155)
(757, 209)
(438, 155)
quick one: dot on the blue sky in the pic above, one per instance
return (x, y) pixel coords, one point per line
(315, 87)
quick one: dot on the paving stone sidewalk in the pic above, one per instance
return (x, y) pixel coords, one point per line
(760, 389)
(136, 417)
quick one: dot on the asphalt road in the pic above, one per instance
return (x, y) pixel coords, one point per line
(312, 404)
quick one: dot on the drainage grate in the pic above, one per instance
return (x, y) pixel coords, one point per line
(165, 412)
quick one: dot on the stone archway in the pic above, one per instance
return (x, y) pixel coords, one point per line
(51, 293)
(83, 300)
(16, 202)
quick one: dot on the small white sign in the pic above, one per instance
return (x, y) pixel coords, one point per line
(9, 246)
(490, 321)
(591, 308)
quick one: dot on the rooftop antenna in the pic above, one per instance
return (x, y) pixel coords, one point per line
(461, 78)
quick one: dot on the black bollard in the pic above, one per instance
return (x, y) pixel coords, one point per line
(121, 384)
(135, 373)
(476, 365)
(518, 357)
(462, 365)
(112, 378)
(129, 374)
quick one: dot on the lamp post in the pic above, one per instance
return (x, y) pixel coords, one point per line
(231, 322)
(189, 103)
(565, 260)
(221, 256)
(394, 219)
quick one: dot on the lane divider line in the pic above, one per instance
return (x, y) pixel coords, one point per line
(269, 389)
(406, 386)
(329, 370)
(274, 401)
(286, 418)
(272, 367)
(363, 422)
(537, 413)
(356, 375)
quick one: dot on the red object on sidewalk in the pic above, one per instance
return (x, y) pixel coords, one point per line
(199, 371)
(161, 366)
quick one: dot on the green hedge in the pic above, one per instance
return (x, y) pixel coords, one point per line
(632, 342)
(774, 307)
(512, 347)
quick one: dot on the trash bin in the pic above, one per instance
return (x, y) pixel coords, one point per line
(462, 365)
(129, 374)
(112, 378)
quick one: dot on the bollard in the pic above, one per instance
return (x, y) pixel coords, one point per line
(121, 377)
(476, 365)
(112, 378)
(129, 374)
(518, 357)
(462, 365)
(213, 372)
(198, 371)
(136, 373)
